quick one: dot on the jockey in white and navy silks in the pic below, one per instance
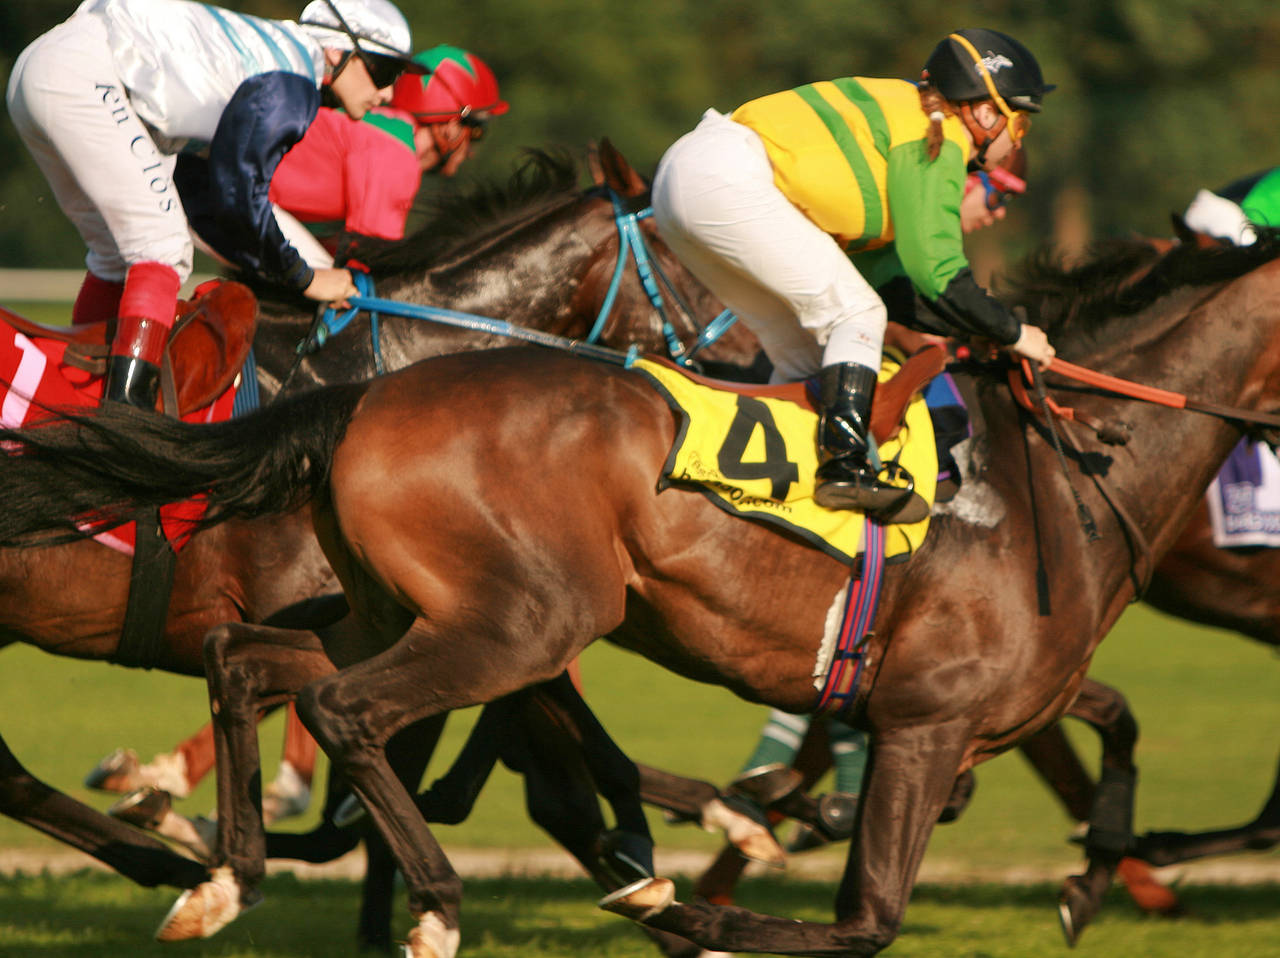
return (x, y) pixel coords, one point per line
(106, 100)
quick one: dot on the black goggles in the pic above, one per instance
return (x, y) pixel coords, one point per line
(383, 71)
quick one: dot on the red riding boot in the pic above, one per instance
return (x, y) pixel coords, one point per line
(97, 301)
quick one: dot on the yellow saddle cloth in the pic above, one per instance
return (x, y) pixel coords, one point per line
(755, 456)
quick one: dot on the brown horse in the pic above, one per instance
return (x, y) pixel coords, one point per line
(538, 251)
(491, 514)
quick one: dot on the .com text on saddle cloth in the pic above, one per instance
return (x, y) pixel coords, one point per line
(755, 456)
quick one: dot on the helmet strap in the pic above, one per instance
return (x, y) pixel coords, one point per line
(982, 136)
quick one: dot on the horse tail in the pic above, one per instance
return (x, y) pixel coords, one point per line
(79, 474)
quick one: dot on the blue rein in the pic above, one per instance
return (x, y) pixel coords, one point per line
(631, 245)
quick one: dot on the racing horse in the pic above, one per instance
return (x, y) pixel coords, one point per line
(479, 560)
(539, 251)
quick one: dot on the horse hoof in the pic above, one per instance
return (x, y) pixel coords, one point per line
(805, 838)
(640, 900)
(116, 773)
(767, 784)
(625, 856)
(431, 939)
(286, 797)
(206, 909)
(753, 839)
(143, 808)
(1075, 910)
(348, 812)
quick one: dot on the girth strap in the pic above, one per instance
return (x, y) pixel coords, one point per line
(150, 587)
(151, 575)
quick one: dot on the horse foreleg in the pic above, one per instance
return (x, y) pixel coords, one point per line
(352, 714)
(910, 774)
(246, 666)
(133, 854)
(1169, 848)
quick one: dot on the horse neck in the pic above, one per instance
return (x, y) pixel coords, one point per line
(1216, 344)
(526, 272)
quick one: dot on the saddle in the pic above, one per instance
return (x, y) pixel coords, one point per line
(891, 400)
(212, 334)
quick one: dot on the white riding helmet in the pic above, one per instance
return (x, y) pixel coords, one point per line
(375, 26)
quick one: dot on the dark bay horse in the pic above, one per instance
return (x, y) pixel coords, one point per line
(537, 525)
(538, 251)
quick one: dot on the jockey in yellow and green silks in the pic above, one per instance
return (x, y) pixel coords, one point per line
(793, 208)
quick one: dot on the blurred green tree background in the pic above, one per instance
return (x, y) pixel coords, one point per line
(1155, 98)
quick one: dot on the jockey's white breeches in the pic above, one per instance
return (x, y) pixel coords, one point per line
(716, 205)
(102, 164)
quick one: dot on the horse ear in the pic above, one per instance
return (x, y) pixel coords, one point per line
(593, 163)
(618, 174)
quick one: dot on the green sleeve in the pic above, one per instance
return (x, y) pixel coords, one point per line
(1262, 204)
(924, 201)
(878, 266)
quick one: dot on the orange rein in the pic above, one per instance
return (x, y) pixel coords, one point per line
(1127, 388)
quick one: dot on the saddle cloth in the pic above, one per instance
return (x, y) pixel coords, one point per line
(38, 374)
(1244, 499)
(754, 455)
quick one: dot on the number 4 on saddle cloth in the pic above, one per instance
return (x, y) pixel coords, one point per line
(752, 450)
(44, 367)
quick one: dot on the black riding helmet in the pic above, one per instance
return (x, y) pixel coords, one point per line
(952, 70)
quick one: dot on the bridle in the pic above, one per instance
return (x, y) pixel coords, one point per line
(631, 246)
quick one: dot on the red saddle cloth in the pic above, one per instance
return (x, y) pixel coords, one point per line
(43, 368)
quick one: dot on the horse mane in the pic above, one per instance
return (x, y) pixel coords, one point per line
(1122, 277)
(458, 218)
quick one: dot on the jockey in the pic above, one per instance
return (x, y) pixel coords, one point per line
(765, 206)
(361, 178)
(1232, 212)
(108, 99)
(452, 101)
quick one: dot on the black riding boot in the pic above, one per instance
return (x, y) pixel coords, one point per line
(132, 381)
(133, 369)
(845, 480)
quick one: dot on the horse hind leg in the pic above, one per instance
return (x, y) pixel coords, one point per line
(353, 713)
(134, 855)
(1261, 834)
(909, 777)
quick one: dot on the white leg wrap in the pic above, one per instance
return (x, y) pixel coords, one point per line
(431, 939)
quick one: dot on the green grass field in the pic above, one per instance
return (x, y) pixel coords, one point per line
(1206, 700)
